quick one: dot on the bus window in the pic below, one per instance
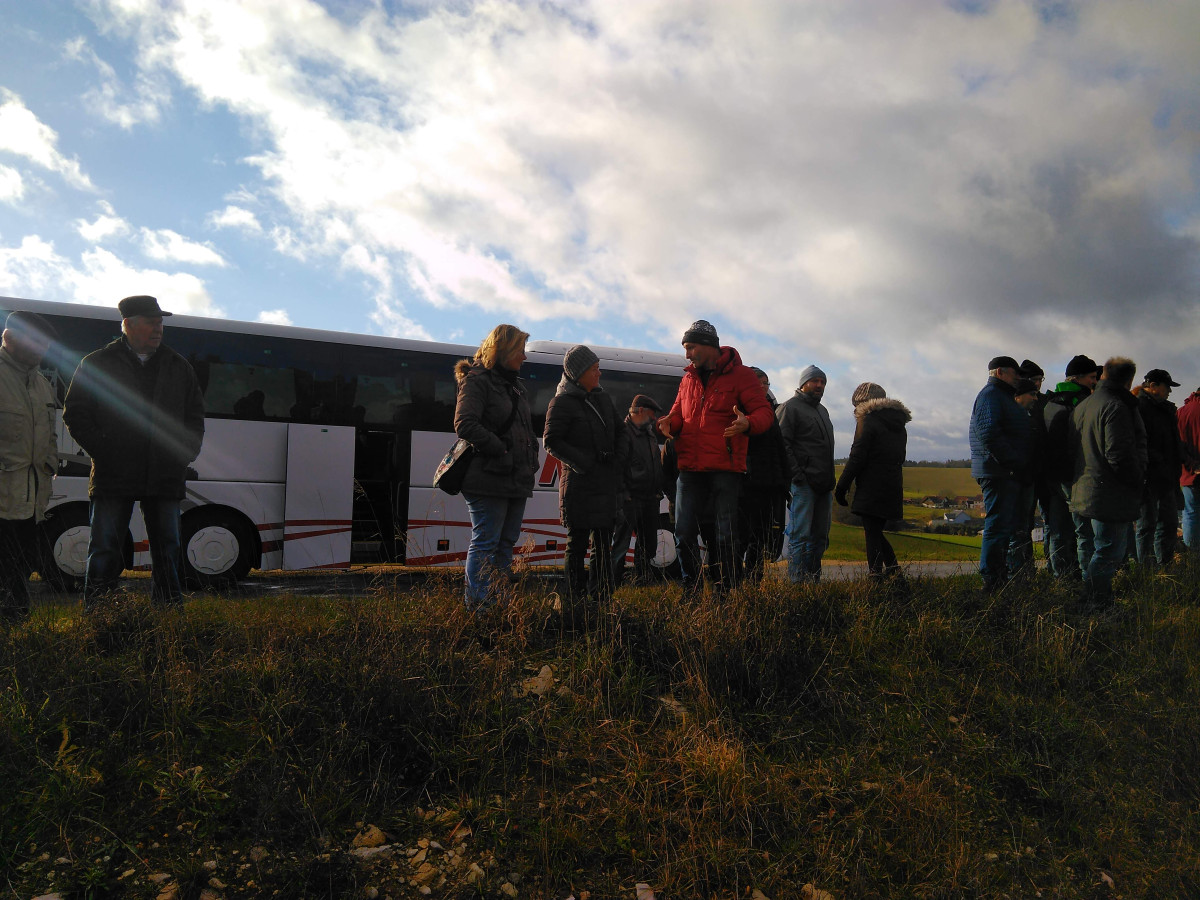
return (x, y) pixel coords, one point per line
(379, 397)
(249, 392)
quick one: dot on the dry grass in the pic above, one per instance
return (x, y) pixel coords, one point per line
(937, 747)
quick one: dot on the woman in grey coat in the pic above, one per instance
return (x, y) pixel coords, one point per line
(584, 433)
(492, 414)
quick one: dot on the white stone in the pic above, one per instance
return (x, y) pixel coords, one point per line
(216, 884)
(508, 889)
(258, 854)
(643, 891)
(371, 836)
(159, 878)
(371, 852)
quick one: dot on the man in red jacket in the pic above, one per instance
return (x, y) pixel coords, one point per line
(719, 404)
(1189, 435)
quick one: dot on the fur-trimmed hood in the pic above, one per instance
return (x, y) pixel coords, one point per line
(894, 409)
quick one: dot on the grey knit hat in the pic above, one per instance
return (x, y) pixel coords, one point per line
(810, 373)
(701, 332)
(868, 390)
(578, 360)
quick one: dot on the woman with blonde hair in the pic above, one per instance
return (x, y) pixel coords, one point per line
(492, 414)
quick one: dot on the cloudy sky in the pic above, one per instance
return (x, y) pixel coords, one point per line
(895, 190)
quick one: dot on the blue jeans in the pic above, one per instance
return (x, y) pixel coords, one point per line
(109, 520)
(809, 518)
(1156, 527)
(1191, 533)
(1085, 540)
(495, 530)
(701, 494)
(1061, 549)
(1004, 514)
(1111, 540)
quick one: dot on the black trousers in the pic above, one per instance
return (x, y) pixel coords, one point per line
(641, 518)
(881, 559)
(760, 527)
(594, 580)
(18, 559)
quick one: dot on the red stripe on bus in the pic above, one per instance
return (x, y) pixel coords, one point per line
(292, 523)
(309, 534)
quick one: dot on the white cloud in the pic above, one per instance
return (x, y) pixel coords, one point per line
(12, 187)
(168, 245)
(36, 270)
(22, 133)
(110, 99)
(107, 224)
(889, 189)
(237, 217)
(274, 317)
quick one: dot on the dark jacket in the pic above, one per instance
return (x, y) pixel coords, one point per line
(704, 409)
(504, 464)
(1058, 463)
(142, 425)
(643, 467)
(767, 465)
(1164, 455)
(1001, 434)
(1110, 456)
(808, 439)
(876, 461)
(584, 433)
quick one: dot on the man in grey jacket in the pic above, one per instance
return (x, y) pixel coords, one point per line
(1109, 442)
(28, 454)
(808, 438)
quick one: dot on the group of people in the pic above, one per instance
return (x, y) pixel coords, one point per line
(136, 408)
(1109, 462)
(728, 457)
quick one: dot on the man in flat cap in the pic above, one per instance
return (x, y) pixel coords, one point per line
(1109, 439)
(135, 407)
(719, 405)
(1001, 448)
(28, 454)
(643, 490)
(1158, 520)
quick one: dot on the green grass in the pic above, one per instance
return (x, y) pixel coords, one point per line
(938, 746)
(846, 544)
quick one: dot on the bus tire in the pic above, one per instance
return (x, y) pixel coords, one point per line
(665, 562)
(65, 535)
(219, 547)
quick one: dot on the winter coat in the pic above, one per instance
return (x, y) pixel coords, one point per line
(28, 443)
(876, 459)
(1058, 463)
(703, 410)
(808, 438)
(1001, 434)
(643, 468)
(142, 424)
(1163, 453)
(767, 464)
(584, 433)
(504, 464)
(1188, 420)
(1110, 456)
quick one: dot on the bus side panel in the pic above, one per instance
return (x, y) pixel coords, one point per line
(262, 504)
(236, 450)
(439, 528)
(319, 501)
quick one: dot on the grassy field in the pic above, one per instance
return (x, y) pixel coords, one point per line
(925, 482)
(936, 746)
(846, 544)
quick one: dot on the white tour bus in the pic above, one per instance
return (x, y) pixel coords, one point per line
(319, 447)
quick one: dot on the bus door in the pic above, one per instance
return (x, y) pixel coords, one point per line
(319, 501)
